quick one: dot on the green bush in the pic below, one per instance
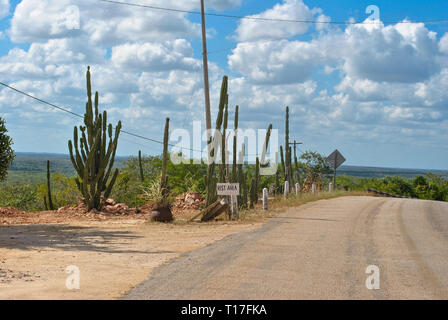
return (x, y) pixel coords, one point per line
(64, 191)
(23, 197)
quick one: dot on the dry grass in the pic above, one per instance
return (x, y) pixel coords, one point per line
(276, 206)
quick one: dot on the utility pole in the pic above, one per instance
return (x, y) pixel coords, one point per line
(295, 143)
(208, 121)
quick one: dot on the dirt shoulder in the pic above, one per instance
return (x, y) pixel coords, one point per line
(112, 256)
(113, 252)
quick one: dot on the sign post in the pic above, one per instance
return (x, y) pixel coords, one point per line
(335, 159)
(232, 190)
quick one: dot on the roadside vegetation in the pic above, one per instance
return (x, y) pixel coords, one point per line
(130, 189)
(428, 186)
(95, 174)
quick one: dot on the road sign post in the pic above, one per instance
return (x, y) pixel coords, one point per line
(232, 190)
(335, 159)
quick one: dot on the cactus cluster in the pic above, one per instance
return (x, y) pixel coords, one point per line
(142, 177)
(163, 176)
(211, 177)
(48, 203)
(92, 153)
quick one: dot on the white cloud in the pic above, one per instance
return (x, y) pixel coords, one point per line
(4, 8)
(108, 24)
(252, 30)
(401, 53)
(276, 61)
(154, 57)
(443, 44)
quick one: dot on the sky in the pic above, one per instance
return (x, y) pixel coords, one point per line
(377, 92)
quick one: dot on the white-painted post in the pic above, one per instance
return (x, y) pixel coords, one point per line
(297, 189)
(286, 191)
(314, 189)
(265, 199)
(234, 206)
(330, 187)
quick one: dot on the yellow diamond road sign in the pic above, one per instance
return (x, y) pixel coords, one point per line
(336, 159)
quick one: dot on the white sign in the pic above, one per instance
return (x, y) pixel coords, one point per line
(228, 189)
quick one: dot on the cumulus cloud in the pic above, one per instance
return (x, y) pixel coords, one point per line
(443, 44)
(108, 24)
(4, 8)
(276, 61)
(401, 53)
(252, 30)
(405, 52)
(169, 55)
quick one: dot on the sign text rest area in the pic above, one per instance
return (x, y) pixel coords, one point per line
(228, 189)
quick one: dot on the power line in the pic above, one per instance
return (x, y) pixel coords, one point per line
(80, 116)
(40, 100)
(266, 19)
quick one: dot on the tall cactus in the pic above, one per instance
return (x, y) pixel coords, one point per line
(211, 177)
(283, 162)
(163, 176)
(291, 176)
(252, 193)
(234, 166)
(257, 178)
(50, 201)
(277, 183)
(287, 155)
(241, 178)
(93, 156)
(223, 172)
(142, 177)
(245, 191)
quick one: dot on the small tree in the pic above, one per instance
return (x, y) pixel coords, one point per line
(6, 153)
(315, 165)
(93, 156)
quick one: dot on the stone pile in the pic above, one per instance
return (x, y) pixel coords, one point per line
(189, 200)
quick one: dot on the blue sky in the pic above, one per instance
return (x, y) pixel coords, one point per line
(375, 92)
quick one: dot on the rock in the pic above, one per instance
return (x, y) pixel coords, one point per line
(110, 202)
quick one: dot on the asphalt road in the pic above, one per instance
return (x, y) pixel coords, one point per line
(319, 251)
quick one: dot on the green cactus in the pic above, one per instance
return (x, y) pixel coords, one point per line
(235, 176)
(287, 155)
(163, 176)
(50, 201)
(257, 178)
(93, 156)
(241, 179)
(142, 177)
(211, 177)
(252, 193)
(291, 176)
(222, 172)
(283, 162)
(277, 183)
